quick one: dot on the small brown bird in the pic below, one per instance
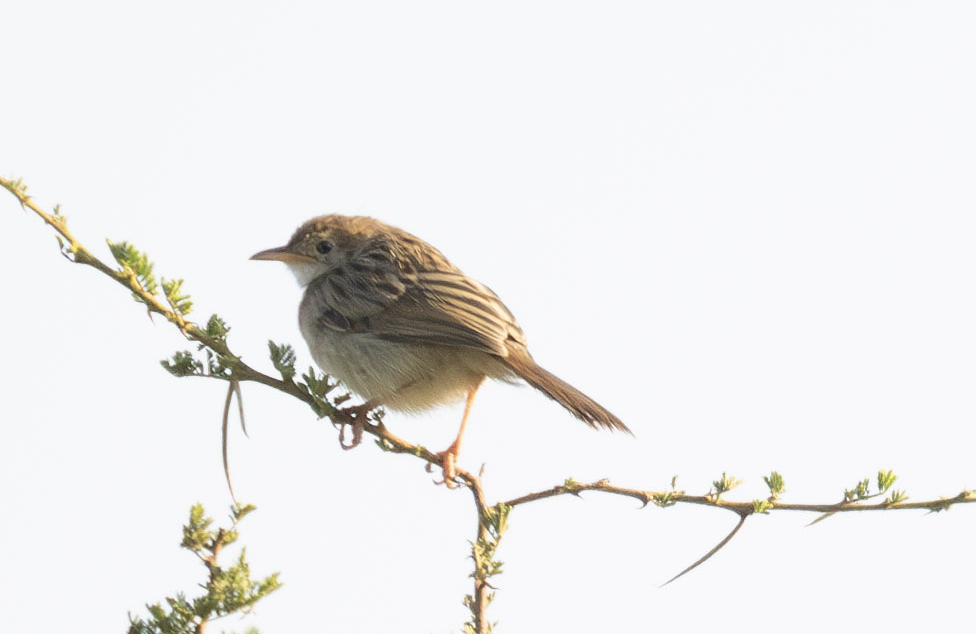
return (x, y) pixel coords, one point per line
(389, 316)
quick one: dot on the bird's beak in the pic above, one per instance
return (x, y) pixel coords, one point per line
(283, 254)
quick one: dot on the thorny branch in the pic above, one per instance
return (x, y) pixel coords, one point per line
(739, 508)
(491, 519)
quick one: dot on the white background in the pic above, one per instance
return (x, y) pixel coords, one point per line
(746, 228)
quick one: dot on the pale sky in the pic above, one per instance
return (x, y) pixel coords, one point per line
(746, 228)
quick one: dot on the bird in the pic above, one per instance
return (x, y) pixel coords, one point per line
(389, 316)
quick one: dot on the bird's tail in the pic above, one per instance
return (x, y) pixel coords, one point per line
(581, 405)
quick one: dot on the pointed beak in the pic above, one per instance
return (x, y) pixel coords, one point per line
(283, 254)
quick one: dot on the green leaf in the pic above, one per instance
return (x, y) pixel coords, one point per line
(61, 220)
(283, 359)
(240, 511)
(182, 364)
(196, 533)
(859, 492)
(180, 303)
(217, 327)
(885, 480)
(216, 364)
(130, 257)
(318, 383)
(725, 483)
(895, 497)
(16, 186)
(498, 519)
(664, 500)
(775, 483)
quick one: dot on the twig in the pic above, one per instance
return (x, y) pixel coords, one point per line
(706, 556)
(646, 497)
(479, 607)
(491, 519)
(232, 388)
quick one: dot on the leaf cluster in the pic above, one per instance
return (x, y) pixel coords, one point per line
(213, 363)
(885, 480)
(132, 259)
(493, 523)
(722, 485)
(314, 384)
(667, 498)
(227, 590)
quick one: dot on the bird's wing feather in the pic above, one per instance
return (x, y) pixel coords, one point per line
(449, 308)
(442, 307)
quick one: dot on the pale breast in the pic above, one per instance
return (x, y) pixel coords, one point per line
(400, 376)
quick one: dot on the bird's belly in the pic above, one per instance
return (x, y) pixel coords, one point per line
(401, 376)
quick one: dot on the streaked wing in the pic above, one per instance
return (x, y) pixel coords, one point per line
(379, 293)
(449, 308)
(348, 297)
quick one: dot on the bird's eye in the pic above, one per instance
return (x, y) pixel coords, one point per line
(323, 247)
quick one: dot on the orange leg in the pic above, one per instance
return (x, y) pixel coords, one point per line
(449, 455)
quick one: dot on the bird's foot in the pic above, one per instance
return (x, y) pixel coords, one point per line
(449, 467)
(359, 414)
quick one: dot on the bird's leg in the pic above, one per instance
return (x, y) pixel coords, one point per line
(449, 455)
(358, 413)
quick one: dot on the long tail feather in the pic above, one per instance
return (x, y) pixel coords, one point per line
(581, 405)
